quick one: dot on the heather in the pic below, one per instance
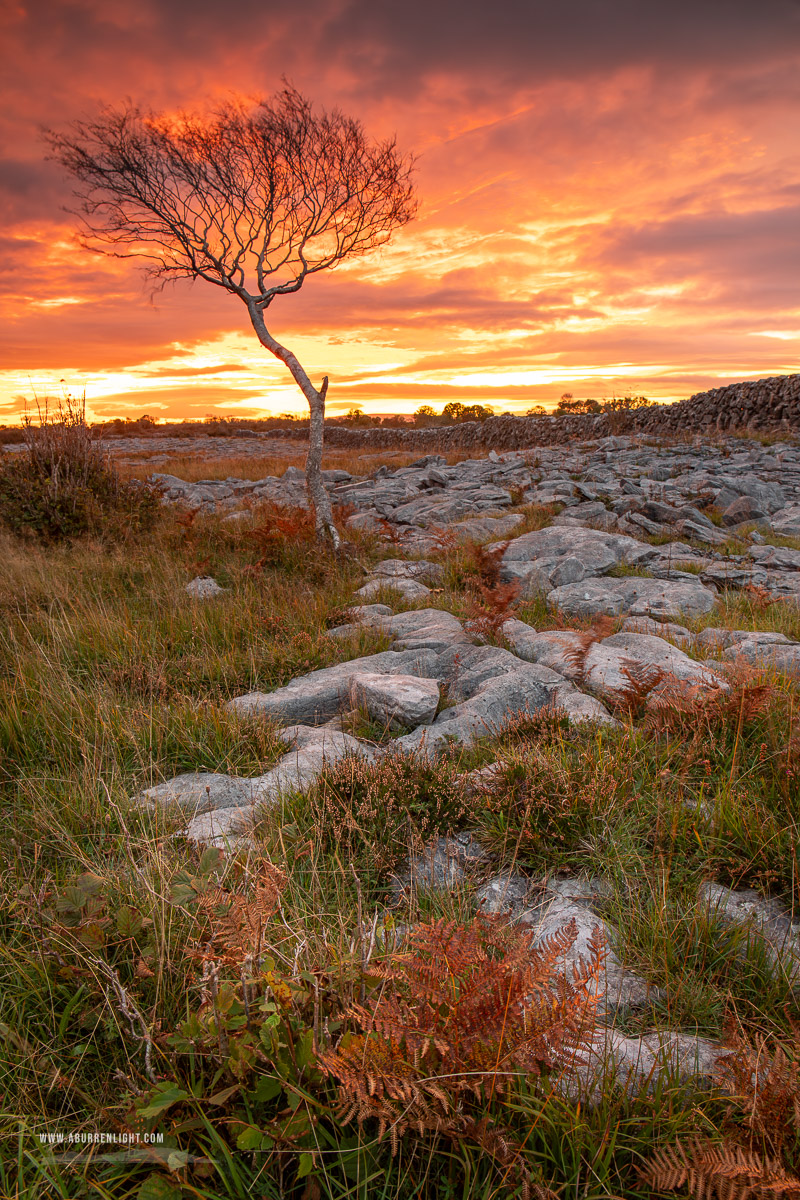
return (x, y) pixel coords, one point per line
(321, 1006)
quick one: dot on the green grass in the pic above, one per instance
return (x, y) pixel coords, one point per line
(113, 680)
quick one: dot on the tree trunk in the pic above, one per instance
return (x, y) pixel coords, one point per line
(318, 497)
(320, 501)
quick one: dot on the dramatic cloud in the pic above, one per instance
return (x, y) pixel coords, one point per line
(610, 202)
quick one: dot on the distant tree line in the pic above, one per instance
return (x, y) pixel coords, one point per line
(568, 404)
(425, 416)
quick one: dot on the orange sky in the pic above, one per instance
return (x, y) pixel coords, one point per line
(610, 202)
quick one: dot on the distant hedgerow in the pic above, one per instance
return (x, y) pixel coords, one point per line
(62, 485)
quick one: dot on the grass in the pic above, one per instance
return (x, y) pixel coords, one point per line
(194, 467)
(112, 680)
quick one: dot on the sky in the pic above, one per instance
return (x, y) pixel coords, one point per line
(609, 203)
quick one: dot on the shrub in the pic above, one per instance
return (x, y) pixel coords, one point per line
(375, 810)
(549, 802)
(62, 485)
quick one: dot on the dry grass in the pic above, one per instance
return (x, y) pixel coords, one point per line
(193, 467)
(109, 680)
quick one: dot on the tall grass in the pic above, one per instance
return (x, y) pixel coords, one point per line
(112, 679)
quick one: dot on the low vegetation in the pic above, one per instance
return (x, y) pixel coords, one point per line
(63, 486)
(291, 1021)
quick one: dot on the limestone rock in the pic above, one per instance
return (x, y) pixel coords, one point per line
(772, 651)
(203, 587)
(775, 557)
(294, 772)
(547, 910)
(409, 589)
(786, 521)
(314, 698)
(396, 700)
(605, 662)
(745, 508)
(590, 552)
(767, 921)
(663, 629)
(198, 792)
(633, 596)
(734, 575)
(492, 687)
(426, 629)
(636, 1064)
(446, 863)
(484, 529)
(400, 568)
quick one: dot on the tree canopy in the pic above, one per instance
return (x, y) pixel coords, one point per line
(253, 198)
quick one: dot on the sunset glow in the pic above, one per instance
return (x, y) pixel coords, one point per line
(610, 203)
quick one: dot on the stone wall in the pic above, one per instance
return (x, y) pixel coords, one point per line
(754, 406)
(762, 405)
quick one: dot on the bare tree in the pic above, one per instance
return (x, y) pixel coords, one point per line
(253, 199)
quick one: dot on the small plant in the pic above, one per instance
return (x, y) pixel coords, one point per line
(760, 597)
(642, 679)
(487, 616)
(726, 1171)
(549, 800)
(576, 656)
(485, 563)
(63, 486)
(280, 532)
(376, 810)
(460, 1014)
(755, 1159)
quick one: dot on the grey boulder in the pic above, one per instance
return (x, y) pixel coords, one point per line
(294, 772)
(765, 921)
(198, 792)
(203, 587)
(396, 700)
(772, 651)
(400, 568)
(409, 589)
(786, 521)
(317, 697)
(634, 597)
(560, 556)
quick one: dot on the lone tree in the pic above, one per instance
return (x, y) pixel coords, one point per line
(253, 198)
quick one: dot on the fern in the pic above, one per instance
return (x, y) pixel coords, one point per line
(642, 679)
(233, 924)
(765, 1085)
(727, 1171)
(701, 712)
(576, 655)
(485, 617)
(486, 562)
(282, 527)
(462, 1012)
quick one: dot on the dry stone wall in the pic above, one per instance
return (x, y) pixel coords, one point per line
(762, 405)
(756, 405)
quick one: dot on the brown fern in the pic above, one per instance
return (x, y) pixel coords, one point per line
(642, 679)
(577, 654)
(486, 562)
(727, 1171)
(390, 533)
(760, 598)
(697, 712)
(233, 924)
(485, 617)
(281, 527)
(466, 1009)
(765, 1086)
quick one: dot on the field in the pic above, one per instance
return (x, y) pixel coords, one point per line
(149, 986)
